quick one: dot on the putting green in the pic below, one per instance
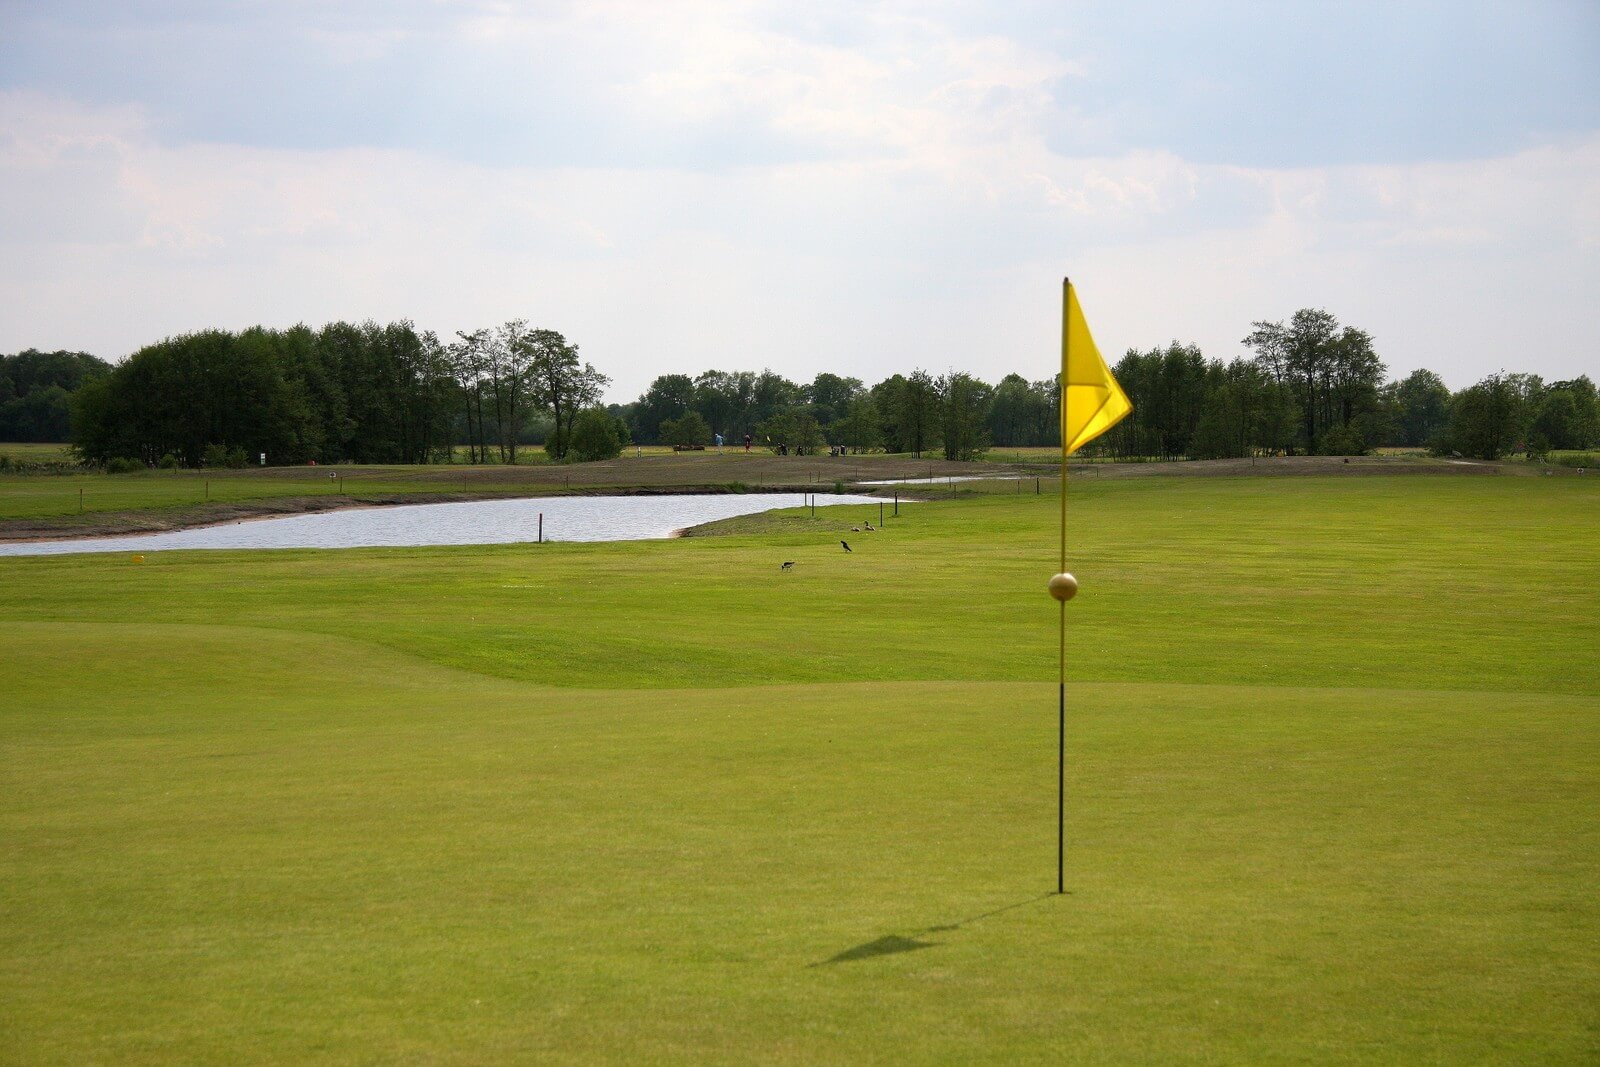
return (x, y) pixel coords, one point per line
(268, 808)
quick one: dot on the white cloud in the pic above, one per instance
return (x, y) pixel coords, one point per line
(922, 215)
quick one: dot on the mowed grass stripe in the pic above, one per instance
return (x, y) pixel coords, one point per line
(263, 846)
(1407, 582)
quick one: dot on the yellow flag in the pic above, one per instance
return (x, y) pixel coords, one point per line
(1091, 400)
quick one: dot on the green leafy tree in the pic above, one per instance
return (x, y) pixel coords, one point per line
(829, 396)
(687, 429)
(795, 429)
(36, 390)
(1168, 388)
(886, 398)
(669, 397)
(1567, 415)
(1023, 413)
(858, 430)
(1422, 407)
(1343, 441)
(1486, 420)
(716, 398)
(917, 413)
(1586, 421)
(772, 393)
(470, 362)
(559, 385)
(964, 403)
(594, 436)
(1332, 372)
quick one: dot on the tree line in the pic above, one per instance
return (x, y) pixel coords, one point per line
(36, 392)
(955, 414)
(360, 393)
(1314, 387)
(1310, 386)
(371, 393)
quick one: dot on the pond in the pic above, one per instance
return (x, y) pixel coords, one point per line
(476, 522)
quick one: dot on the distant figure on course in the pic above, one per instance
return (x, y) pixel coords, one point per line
(719, 442)
(846, 545)
(747, 442)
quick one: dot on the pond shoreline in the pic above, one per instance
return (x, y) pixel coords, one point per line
(93, 527)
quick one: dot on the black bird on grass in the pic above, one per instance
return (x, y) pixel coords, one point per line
(786, 564)
(846, 545)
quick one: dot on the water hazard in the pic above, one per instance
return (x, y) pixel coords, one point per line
(477, 522)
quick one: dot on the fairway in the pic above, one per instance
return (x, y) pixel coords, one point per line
(1332, 789)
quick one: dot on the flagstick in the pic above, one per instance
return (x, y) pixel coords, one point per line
(1062, 586)
(1112, 406)
(1061, 706)
(1061, 658)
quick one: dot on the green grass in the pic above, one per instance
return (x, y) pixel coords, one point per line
(26, 452)
(155, 491)
(1332, 771)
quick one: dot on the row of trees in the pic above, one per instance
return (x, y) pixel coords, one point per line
(375, 393)
(522, 373)
(36, 392)
(1314, 387)
(1520, 412)
(364, 393)
(957, 413)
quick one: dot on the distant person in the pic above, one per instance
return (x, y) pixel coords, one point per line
(719, 442)
(747, 442)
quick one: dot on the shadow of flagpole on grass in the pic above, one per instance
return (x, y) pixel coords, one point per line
(892, 944)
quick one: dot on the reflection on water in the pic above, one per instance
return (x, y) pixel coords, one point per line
(477, 522)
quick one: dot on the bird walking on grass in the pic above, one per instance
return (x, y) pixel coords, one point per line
(786, 564)
(846, 545)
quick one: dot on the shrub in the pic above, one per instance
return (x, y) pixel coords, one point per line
(123, 465)
(691, 429)
(1343, 441)
(594, 436)
(169, 462)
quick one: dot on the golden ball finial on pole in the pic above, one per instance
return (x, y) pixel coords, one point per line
(1063, 587)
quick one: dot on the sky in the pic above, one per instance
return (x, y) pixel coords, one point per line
(856, 188)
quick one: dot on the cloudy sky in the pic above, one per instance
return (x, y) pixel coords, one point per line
(860, 188)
